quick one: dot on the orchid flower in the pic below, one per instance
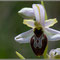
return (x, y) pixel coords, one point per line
(54, 53)
(39, 13)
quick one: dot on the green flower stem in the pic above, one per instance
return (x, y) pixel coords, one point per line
(48, 56)
(19, 55)
(45, 10)
(45, 52)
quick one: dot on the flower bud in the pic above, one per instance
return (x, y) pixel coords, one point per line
(27, 13)
(55, 53)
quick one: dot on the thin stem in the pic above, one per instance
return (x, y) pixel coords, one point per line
(19, 55)
(45, 10)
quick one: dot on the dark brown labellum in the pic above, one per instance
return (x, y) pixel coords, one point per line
(38, 47)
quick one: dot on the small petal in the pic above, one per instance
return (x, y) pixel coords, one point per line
(27, 13)
(53, 31)
(39, 13)
(50, 22)
(24, 37)
(29, 22)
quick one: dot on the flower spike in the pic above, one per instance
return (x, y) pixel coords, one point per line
(55, 53)
(40, 33)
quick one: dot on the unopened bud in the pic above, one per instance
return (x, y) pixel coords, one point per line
(27, 13)
(55, 53)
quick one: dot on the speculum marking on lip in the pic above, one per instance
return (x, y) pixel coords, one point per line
(39, 51)
(38, 41)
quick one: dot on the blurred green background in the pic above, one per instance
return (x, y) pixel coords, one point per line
(11, 25)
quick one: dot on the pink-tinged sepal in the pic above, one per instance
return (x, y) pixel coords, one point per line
(38, 48)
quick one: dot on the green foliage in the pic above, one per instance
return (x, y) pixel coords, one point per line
(19, 55)
(45, 52)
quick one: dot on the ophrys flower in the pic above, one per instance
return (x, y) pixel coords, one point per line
(40, 32)
(54, 53)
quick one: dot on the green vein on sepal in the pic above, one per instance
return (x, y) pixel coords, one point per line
(45, 10)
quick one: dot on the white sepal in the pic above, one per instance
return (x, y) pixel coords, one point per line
(39, 13)
(42, 14)
(36, 12)
(55, 37)
(52, 36)
(52, 31)
(24, 37)
(27, 13)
